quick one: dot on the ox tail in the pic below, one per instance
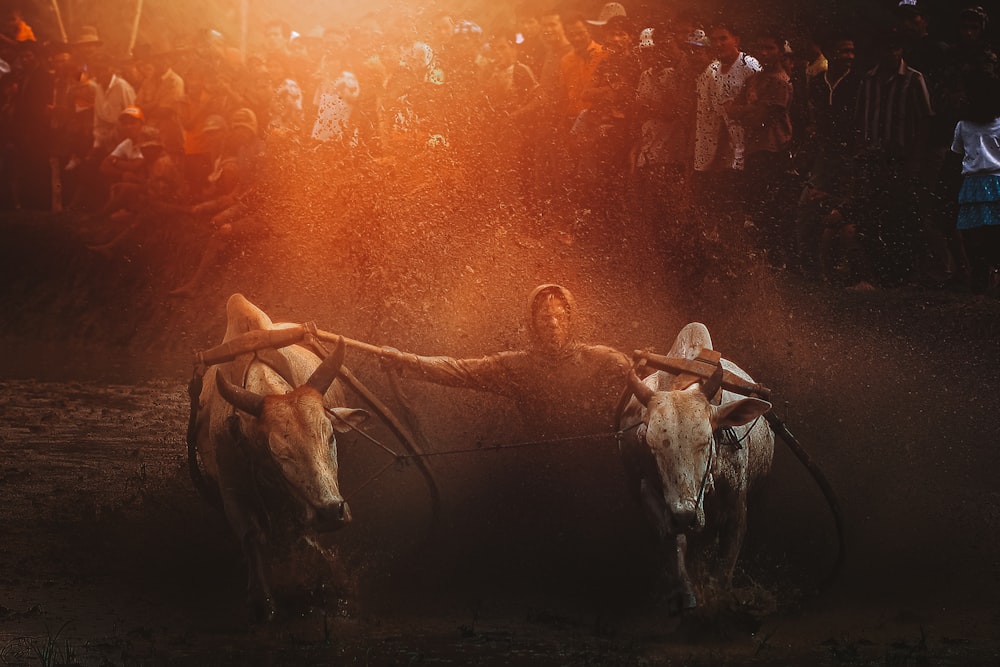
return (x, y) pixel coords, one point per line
(782, 431)
(207, 491)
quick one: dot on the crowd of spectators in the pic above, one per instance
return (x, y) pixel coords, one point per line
(836, 154)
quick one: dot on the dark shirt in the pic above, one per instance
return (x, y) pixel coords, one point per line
(572, 392)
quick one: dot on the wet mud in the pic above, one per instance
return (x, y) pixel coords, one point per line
(110, 557)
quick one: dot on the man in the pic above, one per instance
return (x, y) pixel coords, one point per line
(832, 99)
(604, 130)
(560, 385)
(160, 97)
(719, 134)
(719, 139)
(578, 66)
(112, 95)
(126, 160)
(894, 113)
(555, 514)
(530, 47)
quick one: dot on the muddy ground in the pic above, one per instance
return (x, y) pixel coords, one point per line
(110, 557)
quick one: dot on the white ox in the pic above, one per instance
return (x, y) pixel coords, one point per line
(265, 434)
(690, 480)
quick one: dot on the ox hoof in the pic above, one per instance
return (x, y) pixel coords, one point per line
(680, 602)
(262, 610)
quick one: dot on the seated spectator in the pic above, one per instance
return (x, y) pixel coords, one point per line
(125, 162)
(151, 195)
(226, 205)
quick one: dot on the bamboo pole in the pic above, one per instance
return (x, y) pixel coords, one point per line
(59, 20)
(135, 26)
(244, 20)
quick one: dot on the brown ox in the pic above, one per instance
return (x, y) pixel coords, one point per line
(265, 434)
(693, 461)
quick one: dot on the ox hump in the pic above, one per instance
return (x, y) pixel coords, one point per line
(243, 316)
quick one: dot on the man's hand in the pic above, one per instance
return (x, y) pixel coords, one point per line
(391, 358)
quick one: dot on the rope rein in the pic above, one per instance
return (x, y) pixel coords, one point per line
(399, 460)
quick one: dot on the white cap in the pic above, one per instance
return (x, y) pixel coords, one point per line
(609, 10)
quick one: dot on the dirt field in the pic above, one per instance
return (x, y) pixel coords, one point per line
(109, 557)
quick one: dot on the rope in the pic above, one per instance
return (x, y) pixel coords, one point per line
(402, 458)
(517, 445)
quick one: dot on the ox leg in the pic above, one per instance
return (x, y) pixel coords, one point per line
(237, 502)
(685, 597)
(259, 596)
(681, 595)
(654, 508)
(731, 542)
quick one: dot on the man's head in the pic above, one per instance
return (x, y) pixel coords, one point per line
(551, 315)
(889, 49)
(725, 42)
(552, 31)
(527, 21)
(503, 49)
(130, 122)
(972, 22)
(619, 34)
(840, 53)
(577, 33)
(768, 49)
(911, 20)
(277, 33)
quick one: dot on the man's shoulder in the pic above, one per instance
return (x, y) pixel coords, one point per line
(603, 354)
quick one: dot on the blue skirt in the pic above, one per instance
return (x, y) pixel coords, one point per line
(979, 201)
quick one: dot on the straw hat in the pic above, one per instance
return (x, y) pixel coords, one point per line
(87, 35)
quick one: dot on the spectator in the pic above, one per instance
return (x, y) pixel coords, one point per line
(664, 152)
(719, 136)
(112, 94)
(829, 191)
(764, 112)
(530, 45)
(578, 68)
(160, 97)
(225, 204)
(977, 140)
(126, 160)
(30, 122)
(511, 94)
(894, 110)
(15, 29)
(548, 159)
(336, 94)
(604, 130)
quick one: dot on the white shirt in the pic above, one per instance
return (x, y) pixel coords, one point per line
(126, 150)
(715, 89)
(979, 146)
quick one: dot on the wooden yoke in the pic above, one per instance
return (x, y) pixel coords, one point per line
(252, 341)
(706, 367)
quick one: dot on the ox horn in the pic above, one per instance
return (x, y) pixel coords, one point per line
(639, 388)
(240, 398)
(327, 372)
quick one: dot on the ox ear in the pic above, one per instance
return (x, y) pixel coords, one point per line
(737, 413)
(327, 372)
(344, 419)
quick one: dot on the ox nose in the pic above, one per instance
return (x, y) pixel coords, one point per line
(334, 515)
(684, 514)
